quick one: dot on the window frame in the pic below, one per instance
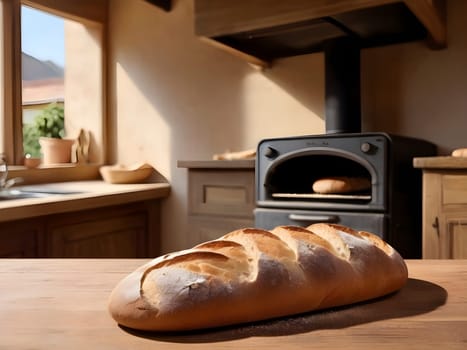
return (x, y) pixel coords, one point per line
(11, 73)
(87, 12)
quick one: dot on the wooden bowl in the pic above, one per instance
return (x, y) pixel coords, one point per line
(121, 174)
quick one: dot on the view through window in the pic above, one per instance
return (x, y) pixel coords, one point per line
(52, 78)
(43, 77)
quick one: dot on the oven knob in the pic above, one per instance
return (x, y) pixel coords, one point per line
(367, 147)
(271, 152)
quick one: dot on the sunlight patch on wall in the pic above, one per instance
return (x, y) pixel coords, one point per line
(269, 110)
(142, 132)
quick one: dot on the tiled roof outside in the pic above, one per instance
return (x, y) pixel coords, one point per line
(43, 81)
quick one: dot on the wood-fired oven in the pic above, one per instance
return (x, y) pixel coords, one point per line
(286, 169)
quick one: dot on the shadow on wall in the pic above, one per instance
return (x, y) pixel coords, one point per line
(173, 84)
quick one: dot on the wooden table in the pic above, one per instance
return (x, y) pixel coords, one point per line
(61, 304)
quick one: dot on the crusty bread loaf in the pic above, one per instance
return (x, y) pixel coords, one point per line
(341, 184)
(252, 274)
(247, 154)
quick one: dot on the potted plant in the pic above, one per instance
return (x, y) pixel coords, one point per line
(47, 134)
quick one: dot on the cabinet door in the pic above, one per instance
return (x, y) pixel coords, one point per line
(21, 239)
(444, 215)
(106, 233)
(457, 238)
(453, 215)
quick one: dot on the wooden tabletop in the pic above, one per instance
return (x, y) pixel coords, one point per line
(61, 304)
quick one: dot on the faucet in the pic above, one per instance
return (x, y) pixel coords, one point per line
(6, 183)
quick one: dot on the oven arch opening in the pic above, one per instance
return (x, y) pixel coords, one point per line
(291, 176)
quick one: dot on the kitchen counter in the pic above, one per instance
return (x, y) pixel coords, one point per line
(442, 162)
(61, 304)
(79, 195)
(217, 164)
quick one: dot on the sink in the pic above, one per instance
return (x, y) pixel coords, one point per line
(10, 194)
(18, 194)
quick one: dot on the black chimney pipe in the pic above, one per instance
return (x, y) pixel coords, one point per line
(342, 86)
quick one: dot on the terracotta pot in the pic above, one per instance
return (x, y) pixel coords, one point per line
(32, 162)
(56, 150)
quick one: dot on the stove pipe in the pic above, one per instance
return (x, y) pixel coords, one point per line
(342, 86)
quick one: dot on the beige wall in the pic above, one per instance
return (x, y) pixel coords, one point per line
(176, 98)
(411, 90)
(83, 85)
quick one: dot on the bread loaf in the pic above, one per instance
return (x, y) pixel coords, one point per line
(247, 154)
(460, 152)
(251, 275)
(342, 184)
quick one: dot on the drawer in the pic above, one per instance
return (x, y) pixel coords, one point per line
(454, 189)
(222, 192)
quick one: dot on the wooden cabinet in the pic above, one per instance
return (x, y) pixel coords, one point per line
(444, 207)
(23, 239)
(221, 197)
(120, 231)
(123, 231)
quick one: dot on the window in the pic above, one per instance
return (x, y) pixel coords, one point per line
(43, 77)
(63, 75)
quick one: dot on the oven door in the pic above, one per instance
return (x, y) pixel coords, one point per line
(267, 219)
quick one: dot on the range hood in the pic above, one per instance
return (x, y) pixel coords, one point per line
(260, 31)
(165, 5)
(263, 30)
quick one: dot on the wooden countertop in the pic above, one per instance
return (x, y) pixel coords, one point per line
(217, 164)
(446, 162)
(88, 195)
(61, 304)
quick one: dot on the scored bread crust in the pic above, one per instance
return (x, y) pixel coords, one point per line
(252, 274)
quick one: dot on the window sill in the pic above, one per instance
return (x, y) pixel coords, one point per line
(55, 173)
